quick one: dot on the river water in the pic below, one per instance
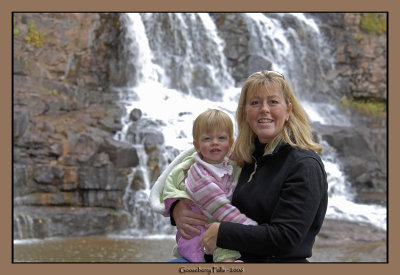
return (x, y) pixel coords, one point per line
(129, 250)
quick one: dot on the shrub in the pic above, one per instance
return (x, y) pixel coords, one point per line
(373, 23)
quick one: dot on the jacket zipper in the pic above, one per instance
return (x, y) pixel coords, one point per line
(254, 171)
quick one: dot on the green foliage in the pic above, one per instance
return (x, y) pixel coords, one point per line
(358, 36)
(374, 23)
(53, 92)
(34, 36)
(368, 106)
(222, 19)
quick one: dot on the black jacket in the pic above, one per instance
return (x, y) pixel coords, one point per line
(288, 198)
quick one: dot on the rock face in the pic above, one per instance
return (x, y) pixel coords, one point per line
(361, 55)
(67, 166)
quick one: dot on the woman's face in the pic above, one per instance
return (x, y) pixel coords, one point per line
(266, 113)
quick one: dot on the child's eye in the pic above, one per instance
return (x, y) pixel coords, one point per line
(222, 138)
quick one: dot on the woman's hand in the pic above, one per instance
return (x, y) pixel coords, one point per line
(185, 219)
(209, 239)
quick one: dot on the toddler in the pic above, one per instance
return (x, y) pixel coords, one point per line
(208, 178)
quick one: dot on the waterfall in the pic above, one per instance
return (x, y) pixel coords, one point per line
(173, 54)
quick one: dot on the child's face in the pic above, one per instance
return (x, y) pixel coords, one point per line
(213, 146)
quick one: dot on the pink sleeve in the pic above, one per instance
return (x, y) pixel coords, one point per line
(168, 203)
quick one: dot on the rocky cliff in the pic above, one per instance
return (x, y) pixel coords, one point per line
(65, 114)
(70, 174)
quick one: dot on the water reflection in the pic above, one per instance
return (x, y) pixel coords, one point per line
(107, 250)
(94, 249)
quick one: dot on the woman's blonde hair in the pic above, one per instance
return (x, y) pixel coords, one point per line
(210, 120)
(296, 131)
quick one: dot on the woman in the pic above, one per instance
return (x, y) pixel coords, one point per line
(282, 185)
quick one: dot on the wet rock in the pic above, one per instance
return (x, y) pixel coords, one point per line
(85, 147)
(101, 159)
(45, 222)
(36, 105)
(138, 130)
(110, 125)
(258, 63)
(70, 179)
(363, 158)
(152, 141)
(20, 122)
(55, 150)
(22, 183)
(138, 182)
(122, 154)
(57, 198)
(47, 174)
(101, 178)
(233, 28)
(135, 114)
(339, 232)
(103, 198)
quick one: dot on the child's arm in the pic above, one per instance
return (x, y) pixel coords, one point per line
(212, 199)
(156, 195)
(174, 189)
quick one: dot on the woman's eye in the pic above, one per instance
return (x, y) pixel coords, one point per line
(273, 102)
(254, 102)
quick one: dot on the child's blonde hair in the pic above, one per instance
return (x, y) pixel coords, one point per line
(210, 120)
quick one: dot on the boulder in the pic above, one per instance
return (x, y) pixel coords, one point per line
(122, 154)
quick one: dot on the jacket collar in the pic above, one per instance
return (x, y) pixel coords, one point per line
(218, 171)
(259, 150)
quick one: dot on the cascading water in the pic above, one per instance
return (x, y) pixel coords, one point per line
(174, 53)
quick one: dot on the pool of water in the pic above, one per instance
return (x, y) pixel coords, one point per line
(94, 249)
(106, 249)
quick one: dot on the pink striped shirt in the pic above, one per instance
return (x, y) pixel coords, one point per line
(211, 188)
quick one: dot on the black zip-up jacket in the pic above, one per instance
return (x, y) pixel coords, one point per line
(287, 196)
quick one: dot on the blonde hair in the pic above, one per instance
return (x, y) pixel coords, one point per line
(296, 131)
(210, 120)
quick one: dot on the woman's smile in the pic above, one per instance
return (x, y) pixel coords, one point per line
(265, 121)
